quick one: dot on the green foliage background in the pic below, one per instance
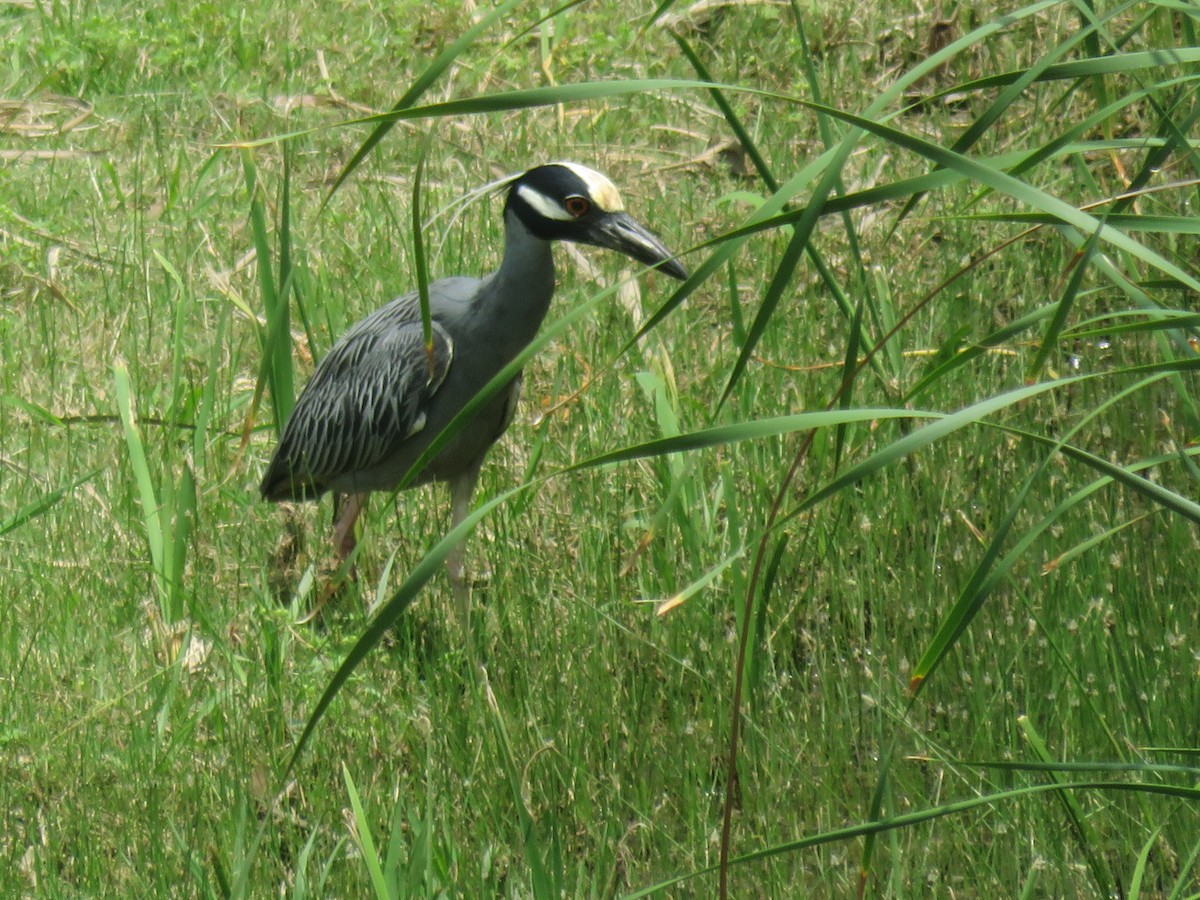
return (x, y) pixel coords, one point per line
(913, 452)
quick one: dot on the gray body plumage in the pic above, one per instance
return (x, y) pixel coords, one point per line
(371, 409)
(375, 404)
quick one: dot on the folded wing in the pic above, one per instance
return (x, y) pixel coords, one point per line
(368, 395)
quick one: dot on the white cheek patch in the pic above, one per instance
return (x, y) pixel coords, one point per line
(543, 205)
(602, 191)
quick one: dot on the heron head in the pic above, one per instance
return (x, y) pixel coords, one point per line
(568, 202)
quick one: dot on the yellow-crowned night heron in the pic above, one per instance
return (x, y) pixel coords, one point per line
(376, 401)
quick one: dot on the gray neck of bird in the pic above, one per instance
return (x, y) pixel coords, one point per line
(519, 291)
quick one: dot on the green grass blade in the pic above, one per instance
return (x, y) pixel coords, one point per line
(282, 367)
(45, 502)
(970, 601)
(151, 511)
(1168, 499)
(387, 616)
(781, 278)
(938, 179)
(207, 407)
(988, 571)
(849, 370)
(754, 429)
(667, 604)
(183, 509)
(1004, 101)
(659, 12)
(178, 334)
(1139, 868)
(1062, 309)
(1086, 838)
(1018, 190)
(393, 861)
(1124, 221)
(1191, 773)
(957, 619)
(923, 437)
(745, 141)
(531, 839)
(40, 413)
(1091, 30)
(829, 140)
(1124, 63)
(279, 322)
(1185, 879)
(420, 85)
(1146, 320)
(507, 101)
(1075, 551)
(419, 262)
(532, 98)
(276, 369)
(364, 840)
(909, 820)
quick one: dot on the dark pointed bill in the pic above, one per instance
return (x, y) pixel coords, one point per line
(619, 231)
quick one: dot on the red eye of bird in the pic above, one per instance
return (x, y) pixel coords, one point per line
(577, 206)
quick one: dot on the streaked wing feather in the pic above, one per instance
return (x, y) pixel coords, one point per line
(366, 397)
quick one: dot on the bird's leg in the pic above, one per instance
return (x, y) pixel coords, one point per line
(349, 508)
(346, 510)
(462, 486)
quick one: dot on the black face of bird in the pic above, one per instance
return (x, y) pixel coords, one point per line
(570, 202)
